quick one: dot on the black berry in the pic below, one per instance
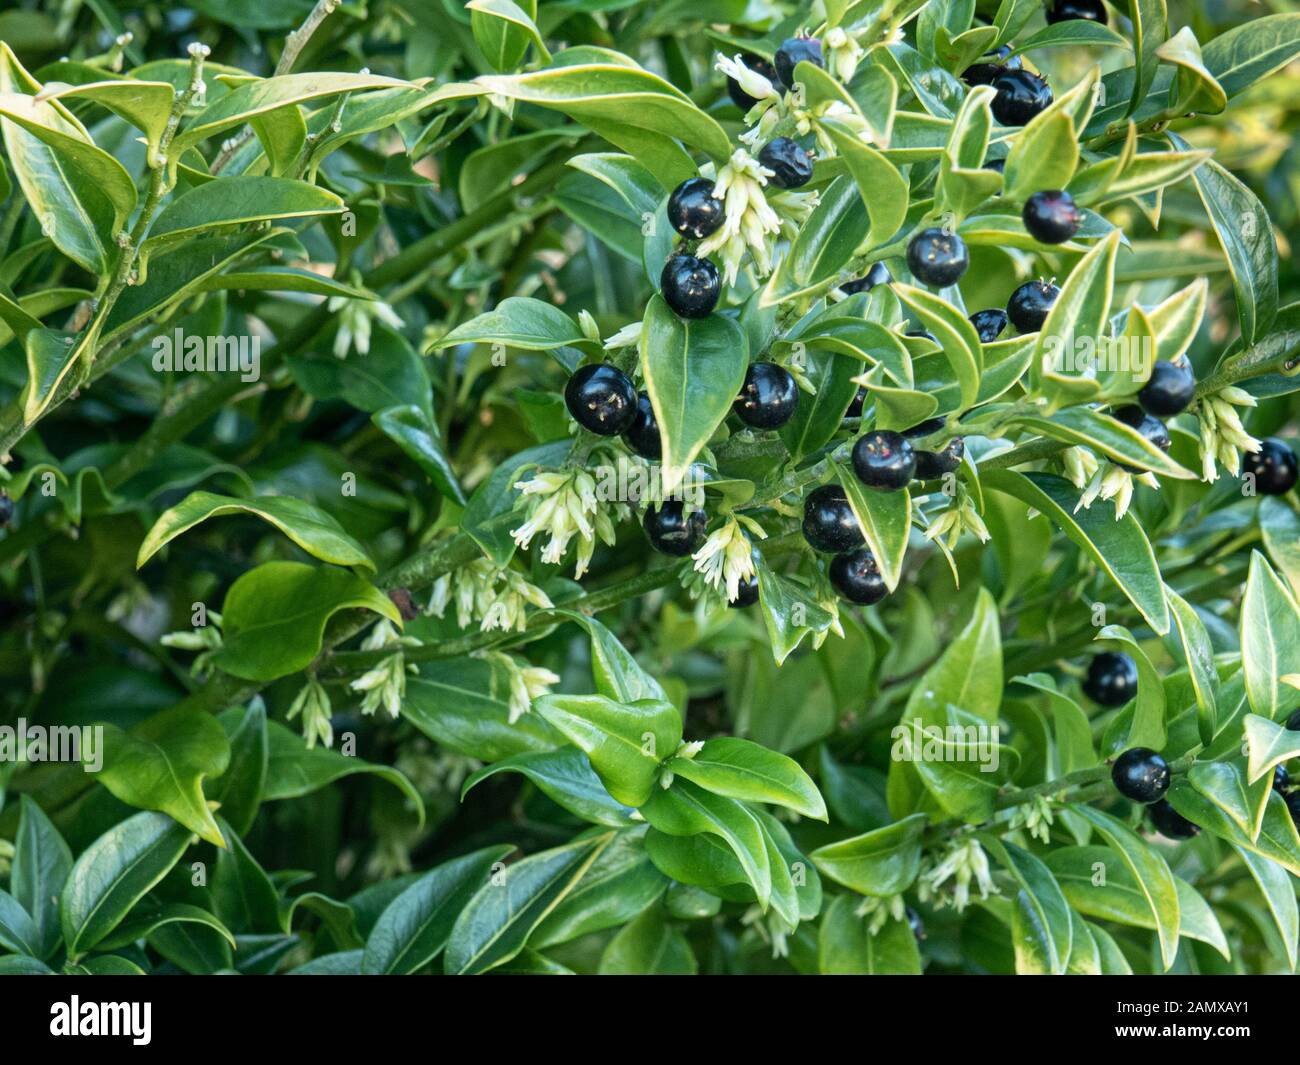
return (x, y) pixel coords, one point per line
(924, 334)
(1051, 216)
(1293, 722)
(758, 65)
(1150, 429)
(642, 435)
(691, 286)
(1112, 679)
(791, 166)
(746, 593)
(1293, 806)
(998, 166)
(793, 51)
(674, 531)
(937, 258)
(1273, 466)
(768, 397)
(884, 459)
(878, 275)
(1169, 822)
(1030, 304)
(1141, 775)
(1069, 10)
(829, 523)
(856, 403)
(601, 399)
(6, 509)
(931, 464)
(856, 576)
(989, 324)
(1020, 96)
(985, 73)
(925, 428)
(1171, 387)
(1281, 778)
(693, 210)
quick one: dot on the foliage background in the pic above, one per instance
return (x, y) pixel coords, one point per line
(492, 211)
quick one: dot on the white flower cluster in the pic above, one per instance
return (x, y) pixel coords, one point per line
(524, 683)
(563, 504)
(748, 219)
(959, 518)
(354, 323)
(1035, 817)
(496, 597)
(385, 684)
(206, 640)
(964, 864)
(727, 557)
(878, 910)
(1222, 435)
(313, 703)
(1102, 479)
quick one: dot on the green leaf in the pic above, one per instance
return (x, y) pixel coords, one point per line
(1280, 526)
(886, 520)
(243, 894)
(41, 865)
(1041, 926)
(503, 30)
(954, 332)
(311, 528)
(968, 675)
(846, 946)
(687, 810)
(232, 202)
(882, 188)
(145, 104)
(18, 931)
(565, 776)
(240, 788)
(1043, 156)
(817, 418)
(1149, 870)
(693, 371)
(1252, 51)
(413, 430)
(1268, 744)
(1279, 894)
(823, 246)
(1270, 641)
(1277, 837)
(1246, 234)
(1194, 88)
(1119, 547)
(517, 322)
(1150, 28)
(1225, 785)
(294, 769)
(415, 927)
(114, 873)
(615, 672)
(142, 922)
(496, 923)
(1147, 728)
(750, 772)
(1198, 653)
(789, 610)
(1072, 34)
(274, 616)
(648, 946)
(1104, 433)
(162, 763)
(882, 862)
(624, 741)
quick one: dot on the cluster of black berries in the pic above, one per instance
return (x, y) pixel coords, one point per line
(1019, 94)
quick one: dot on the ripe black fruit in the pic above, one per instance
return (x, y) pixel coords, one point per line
(884, 459)
(1051, 216)
(1281, 779)
(985, 73)
(1151, 429)
(791, 166)
(856, 403)
(1068, 10)
(937, 258)
(878, 275)
(989, 324)
(931, 464)
(6, 509)
(925, 428)
(691, 286)
(1020, 96)
(642, 435)
(758, 65)
(693, 210)
(793, 51)
(1273, 466)
(1293, 806)
(997, 165)
(1141, 775)
(1171, 387)
(674, 531)
(768, 397)
(746, 593)
(829, 523)
(1293, 722)
(1112, 679)
(1029, 305)
(1169, 822)
(856, 576)
(601, 399)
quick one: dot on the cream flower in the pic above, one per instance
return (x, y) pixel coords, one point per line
(1222, 434)
(313, 703)
(726, 558)
(563, 504)
(748, 220)
(964, 863)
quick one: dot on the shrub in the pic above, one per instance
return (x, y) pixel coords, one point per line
(648, 487)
